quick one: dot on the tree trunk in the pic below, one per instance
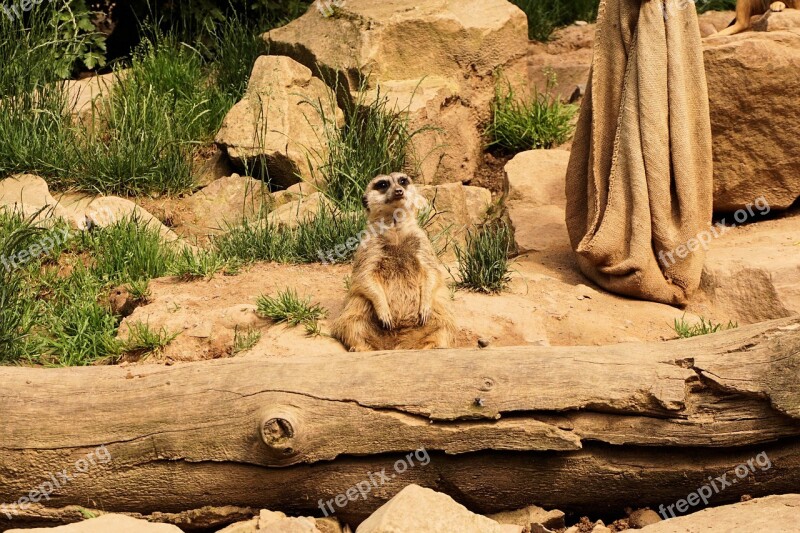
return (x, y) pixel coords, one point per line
(585, 429)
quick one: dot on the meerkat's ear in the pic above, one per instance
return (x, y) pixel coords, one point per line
(364, 202)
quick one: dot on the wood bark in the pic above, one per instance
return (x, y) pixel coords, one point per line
(584, 429)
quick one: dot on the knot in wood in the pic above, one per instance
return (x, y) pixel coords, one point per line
(278, 434)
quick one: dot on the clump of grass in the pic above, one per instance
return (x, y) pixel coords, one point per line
(522, 123)
(190, 265)
(75, 329)
(375, 139)
(544, 16)
(139, 290)
(483, 263)
(715, 5)
(258, 240)
(16, 310)
(244, 340)
(143, 340)
(686, 330)
(330, 236)
(289, 308)
(128, 250)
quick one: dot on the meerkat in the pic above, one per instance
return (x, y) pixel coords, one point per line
(397, 298)
(745, 9)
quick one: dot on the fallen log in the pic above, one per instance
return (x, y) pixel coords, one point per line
(587, 429)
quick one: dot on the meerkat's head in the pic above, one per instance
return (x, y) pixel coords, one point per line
(391, 197)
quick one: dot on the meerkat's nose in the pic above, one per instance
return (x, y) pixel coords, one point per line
(399, 192)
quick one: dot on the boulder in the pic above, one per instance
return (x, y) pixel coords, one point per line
(771, 513)
(752, 273)
(535, 199)
(456, 209)
(448, 145)
(531, 515)
(227, 201)
(405, 39)
(28, 194)
(643, 518)
(275, 522)
(292, 213)
(211, 167)
(277, 121)
(104, 524)
(788, 19)
(754, 118)
(85, 96)
(420, 510)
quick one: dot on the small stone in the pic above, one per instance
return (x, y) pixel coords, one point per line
(643, 517)
(484, 342)
(581, 23)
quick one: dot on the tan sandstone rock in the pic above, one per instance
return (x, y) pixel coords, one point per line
(531, 515)
(755, 119)
(106, 524)
(406, 39)
(752, 273)
(420, 510)
(448, 145)
(85, 96)
(788, 19)
(27, 195)
(771, 513)
(277, 120)
(535, 199)
(227, 201)
(292, 213)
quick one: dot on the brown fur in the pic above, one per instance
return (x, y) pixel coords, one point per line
(745, 9)
(397, 299)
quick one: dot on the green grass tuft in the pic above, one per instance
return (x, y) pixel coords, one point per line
(127, 251)
(190, 265)
(686, 330)
(483, 262)
(143, 340)
(288, 307)
(244, 340)
(522, 123)
(375, 139)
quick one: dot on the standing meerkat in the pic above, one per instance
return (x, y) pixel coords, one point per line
(397, 298)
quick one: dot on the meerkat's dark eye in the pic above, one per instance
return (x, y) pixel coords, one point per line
(403, 181)
(381, 185)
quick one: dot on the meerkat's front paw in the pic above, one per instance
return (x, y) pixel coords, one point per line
(777, 6)
(385, 318)
(424, 314)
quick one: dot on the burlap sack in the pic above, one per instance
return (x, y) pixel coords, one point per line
(639, 178)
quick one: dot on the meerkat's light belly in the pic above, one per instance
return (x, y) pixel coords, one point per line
(401, 278)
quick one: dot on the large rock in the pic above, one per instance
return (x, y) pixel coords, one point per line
(455, 208)
(405, 39)
(754, 117)
(419, 510)
(276, 120)
(29, 195)
(772, 513)
(535, 199)
(448, 145)
(227, 201)
(291, 214)
(106, 524)
(752, 273)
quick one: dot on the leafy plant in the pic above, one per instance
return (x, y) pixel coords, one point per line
(483, 263)
(522, 123)
(686, 330)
